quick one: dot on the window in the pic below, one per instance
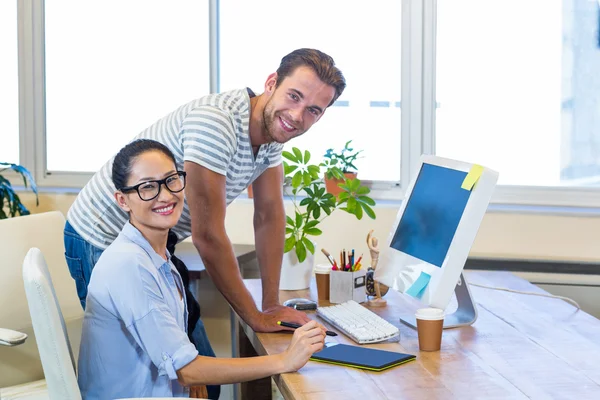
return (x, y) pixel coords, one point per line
(114, 70)
(518, 89)
(9, 82)
(254, 36)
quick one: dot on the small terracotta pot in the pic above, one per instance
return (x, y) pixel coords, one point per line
(331, 185)
(250, 192)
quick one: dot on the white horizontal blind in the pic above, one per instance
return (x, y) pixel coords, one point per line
(115, 67)
(365, 41)
(518, 89)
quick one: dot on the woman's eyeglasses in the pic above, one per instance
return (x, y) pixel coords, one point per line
(149, 190)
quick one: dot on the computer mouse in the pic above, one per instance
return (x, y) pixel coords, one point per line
(300, 304)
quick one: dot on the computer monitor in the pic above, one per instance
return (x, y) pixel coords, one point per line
(434, 230)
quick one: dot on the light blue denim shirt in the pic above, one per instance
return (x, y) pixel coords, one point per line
(134, 330)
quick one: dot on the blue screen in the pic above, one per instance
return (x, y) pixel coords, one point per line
(432, 214)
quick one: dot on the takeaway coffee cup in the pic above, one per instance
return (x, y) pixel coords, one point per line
(322, 272)
(430, 323)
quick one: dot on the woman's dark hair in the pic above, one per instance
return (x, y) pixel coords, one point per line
(127, 155)
(322, 64)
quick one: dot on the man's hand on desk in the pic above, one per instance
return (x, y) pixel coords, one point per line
(266, 321)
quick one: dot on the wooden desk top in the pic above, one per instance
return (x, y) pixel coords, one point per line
(520, 347)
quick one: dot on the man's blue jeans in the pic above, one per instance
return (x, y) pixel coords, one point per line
(82, 256)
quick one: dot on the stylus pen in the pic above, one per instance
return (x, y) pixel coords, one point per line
(295, 326)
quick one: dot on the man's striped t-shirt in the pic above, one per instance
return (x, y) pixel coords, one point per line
(212, 131)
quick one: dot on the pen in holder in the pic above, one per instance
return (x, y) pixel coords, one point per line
(347, 285)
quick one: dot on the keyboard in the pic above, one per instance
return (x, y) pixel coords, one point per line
(360, 324)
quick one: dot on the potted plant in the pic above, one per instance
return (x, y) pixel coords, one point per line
(10, 203)
(312, 204)
(339, 166)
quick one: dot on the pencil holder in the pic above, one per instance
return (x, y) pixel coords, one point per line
(345, 285)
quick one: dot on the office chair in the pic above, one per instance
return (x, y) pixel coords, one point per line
(50, 329)
(21, 370)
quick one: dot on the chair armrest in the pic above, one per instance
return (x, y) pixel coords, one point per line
(8, 337)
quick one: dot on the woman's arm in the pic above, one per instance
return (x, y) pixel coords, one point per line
(307, 339)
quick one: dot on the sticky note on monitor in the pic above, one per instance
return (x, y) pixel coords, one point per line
(417, 288)
(472, 177)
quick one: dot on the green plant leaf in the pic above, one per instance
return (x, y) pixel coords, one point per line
(316, 212)
(26, 176)
(314, 169)
(297, 179)
(306, 156)
(299, 220)
(289, 230)
(311, 224)
(366, 200)
(288, 169)
(309, 245)
(353, 184)
(368, 210)
(313, 231)
(363, 190)
(289, 243)
(326, 209)
(298, 154)
(300, 251)
(358, 212)
(343, 196)
(289, 220)
(307, 178)
(351, 204)
(309, 192)
(289, 156)
(305, 201)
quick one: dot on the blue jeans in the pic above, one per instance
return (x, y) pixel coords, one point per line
(82, 256)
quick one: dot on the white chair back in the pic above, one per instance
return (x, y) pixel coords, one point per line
(50, 329)
(21, 364)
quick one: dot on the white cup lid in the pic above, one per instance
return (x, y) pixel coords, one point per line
(322, 268)
(429, 314)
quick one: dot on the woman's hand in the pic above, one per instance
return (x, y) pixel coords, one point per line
(307, 339)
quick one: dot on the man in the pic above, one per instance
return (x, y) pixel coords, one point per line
(224, 142)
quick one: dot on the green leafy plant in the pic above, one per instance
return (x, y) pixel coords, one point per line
(10, 203)
(312, 204)
(337, 164)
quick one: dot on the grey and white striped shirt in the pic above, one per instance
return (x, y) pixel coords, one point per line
(212, 131)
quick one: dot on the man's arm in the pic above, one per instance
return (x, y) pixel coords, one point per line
(206, 197)
(269, 231)
(269, 236)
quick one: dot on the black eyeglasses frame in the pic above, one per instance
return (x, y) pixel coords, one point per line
(160, 182)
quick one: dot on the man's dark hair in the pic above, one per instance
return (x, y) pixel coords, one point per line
(321, 63)
(125, 157)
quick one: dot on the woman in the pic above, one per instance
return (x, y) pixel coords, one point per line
(134, 340)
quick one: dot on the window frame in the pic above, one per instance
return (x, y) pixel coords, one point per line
(418, 74)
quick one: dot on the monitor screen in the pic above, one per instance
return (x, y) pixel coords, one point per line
(435, 228)
(432, 214)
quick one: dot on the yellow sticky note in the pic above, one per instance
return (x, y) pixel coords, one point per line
(472, 177)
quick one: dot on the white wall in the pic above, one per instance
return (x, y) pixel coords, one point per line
(502, 234)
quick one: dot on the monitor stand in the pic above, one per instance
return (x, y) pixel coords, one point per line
(465, 314)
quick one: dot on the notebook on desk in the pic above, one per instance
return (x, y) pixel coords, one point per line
(361, 357)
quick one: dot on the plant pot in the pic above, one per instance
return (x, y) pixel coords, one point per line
(250, 193)
(296, 275)
(331, 185)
